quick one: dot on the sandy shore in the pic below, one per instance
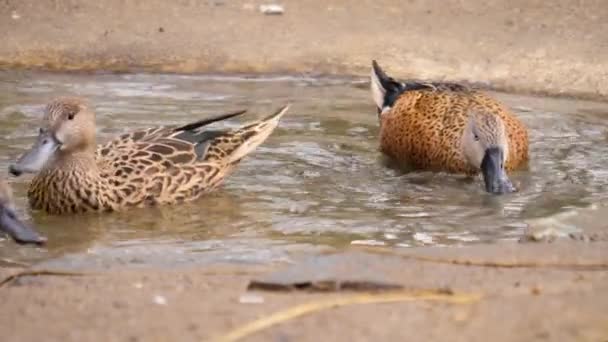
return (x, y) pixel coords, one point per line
(556, 47)
(483, 295)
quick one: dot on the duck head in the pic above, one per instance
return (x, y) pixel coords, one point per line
(67, 127)
(485, 146)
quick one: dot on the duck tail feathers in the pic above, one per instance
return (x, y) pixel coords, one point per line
(384, 88)
(256, 133)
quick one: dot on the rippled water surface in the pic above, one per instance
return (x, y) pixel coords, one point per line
(319, 180)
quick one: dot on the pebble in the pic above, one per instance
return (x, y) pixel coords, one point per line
(536, 290)
(368, 243)
(250, 298)
(272, 9)
(160, 300)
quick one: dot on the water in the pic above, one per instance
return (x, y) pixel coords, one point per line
(318, 181)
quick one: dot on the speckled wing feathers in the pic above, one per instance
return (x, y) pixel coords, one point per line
(165, 164)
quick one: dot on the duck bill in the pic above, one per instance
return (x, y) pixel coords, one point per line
(494, 175)
(17, 230)
(34, 160)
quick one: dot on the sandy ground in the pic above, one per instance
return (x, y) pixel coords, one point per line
(556, 47)
(534, 303)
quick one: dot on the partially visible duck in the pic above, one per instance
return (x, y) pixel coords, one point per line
(11, 224)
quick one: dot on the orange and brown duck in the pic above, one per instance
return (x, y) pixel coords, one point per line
(160, 165)
(449, 127)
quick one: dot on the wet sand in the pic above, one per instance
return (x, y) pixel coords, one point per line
(540, 302)
(525, 46)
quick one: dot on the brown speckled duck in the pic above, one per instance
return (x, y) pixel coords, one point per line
(162, 165)
(449, 127)
(11, 224)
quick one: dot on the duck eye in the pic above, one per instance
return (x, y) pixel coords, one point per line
(71, 116)
(476, 137)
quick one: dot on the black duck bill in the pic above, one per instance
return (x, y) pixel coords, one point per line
(494, 175)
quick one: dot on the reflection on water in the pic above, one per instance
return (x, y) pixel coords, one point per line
(317, 181)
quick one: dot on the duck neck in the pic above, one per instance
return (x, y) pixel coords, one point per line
(70, 183)
(82, 161)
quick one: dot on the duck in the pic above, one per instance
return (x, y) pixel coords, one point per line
(449, 127)
(155, 166)
(10, 223)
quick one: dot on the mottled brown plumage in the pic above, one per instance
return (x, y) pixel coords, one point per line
(445, 126)
(163, 165)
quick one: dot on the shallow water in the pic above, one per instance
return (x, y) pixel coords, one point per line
(318, 181)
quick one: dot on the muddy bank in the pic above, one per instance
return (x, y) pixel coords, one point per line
(527, 46)
(470, 301)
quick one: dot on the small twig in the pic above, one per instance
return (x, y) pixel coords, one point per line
(14, 262)
(35, 273)
(329, 303)
(590, 266)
